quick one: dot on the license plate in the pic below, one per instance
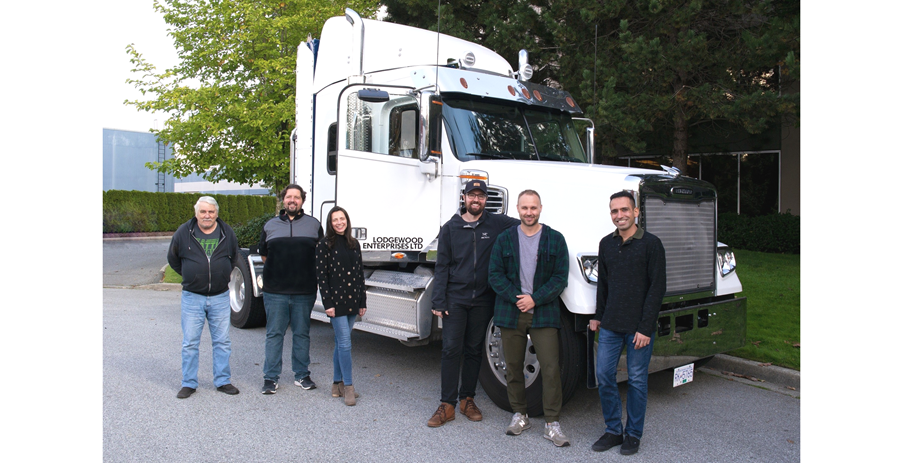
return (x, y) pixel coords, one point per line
(683, 375)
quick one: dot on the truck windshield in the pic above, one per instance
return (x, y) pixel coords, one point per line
(489, 130)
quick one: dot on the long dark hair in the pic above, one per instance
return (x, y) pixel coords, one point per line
(331, 235)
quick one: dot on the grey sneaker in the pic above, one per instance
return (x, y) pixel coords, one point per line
(305, 383)
(518, 424)
(554, 434)
(269, 387)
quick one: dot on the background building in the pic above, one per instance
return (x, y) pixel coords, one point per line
(125, 154)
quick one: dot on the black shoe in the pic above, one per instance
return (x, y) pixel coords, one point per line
(228, 389)
(269, 387)
(185, 392)
(630, 446)
(305, 383)
(607, 441)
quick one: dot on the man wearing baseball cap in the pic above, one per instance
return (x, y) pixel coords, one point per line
(464, 299)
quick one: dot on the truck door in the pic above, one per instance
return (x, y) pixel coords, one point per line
(391, 196)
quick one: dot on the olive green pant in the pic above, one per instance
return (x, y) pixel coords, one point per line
(546, 346)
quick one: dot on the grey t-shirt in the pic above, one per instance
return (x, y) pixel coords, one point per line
(528, 251)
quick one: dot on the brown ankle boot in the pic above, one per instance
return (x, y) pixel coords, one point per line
(350, 395)
(445, 413)
(337, 389)
(467, 408)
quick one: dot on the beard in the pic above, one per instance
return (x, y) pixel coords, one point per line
(293, 209)
(474, 208)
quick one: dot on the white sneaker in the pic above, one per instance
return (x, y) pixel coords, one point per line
(518, 424)
(554, 434)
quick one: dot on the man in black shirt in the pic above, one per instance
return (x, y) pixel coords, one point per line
(631, 282)
(464, 299)
(203, 251)
(288, 249)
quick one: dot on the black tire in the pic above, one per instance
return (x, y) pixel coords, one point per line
(572, 354)
(247, 311)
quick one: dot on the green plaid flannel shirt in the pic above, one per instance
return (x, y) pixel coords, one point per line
(550, 278)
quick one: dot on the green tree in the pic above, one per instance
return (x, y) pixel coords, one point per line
(644, 69)
(505, 26)
(231, 96)
(665, 67)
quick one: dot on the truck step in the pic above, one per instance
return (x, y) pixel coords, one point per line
(402, 281)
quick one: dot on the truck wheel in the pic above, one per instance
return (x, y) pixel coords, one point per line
(247, 311)
(572, 354)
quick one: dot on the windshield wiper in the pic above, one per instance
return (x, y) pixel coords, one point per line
(491, 155)
(555, 157)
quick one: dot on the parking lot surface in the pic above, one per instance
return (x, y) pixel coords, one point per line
(712, 419)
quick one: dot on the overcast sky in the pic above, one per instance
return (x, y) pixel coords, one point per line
(132, 21)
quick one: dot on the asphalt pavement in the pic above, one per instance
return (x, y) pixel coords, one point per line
(727, 414)
(130, 262)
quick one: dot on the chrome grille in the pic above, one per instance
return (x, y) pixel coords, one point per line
(496, 200)
(688, 233)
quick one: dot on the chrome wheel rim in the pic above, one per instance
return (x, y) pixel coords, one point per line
(236, 290)
(493, 346)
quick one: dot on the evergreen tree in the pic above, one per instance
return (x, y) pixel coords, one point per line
(644, 68)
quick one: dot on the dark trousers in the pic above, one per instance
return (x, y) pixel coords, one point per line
(464, 329)
(546, 346)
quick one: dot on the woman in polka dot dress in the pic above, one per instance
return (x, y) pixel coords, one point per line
(339, 272)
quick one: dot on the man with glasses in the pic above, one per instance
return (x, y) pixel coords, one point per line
(464, 300)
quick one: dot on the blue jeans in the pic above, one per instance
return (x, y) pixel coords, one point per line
(196, 309)
(608, 351)
(343, 363)
(282, 310)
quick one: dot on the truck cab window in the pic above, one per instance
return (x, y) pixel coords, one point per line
(332, 149)
(483, 129)
(403, 132)
(387, 128)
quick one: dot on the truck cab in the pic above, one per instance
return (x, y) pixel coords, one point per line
(392, 121)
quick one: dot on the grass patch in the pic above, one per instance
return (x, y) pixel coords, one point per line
(772, 286)
(171, 277)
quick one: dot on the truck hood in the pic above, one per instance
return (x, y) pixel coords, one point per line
(574, 197)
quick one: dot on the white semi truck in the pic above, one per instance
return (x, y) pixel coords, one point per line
(392, 121)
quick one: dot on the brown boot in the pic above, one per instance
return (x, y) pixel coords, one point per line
(350, 395)
(445, 413)
(337, 389)
(467, 408)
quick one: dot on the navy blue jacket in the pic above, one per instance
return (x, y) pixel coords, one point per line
(464, 254)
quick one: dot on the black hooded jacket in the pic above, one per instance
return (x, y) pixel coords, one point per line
(201, 274)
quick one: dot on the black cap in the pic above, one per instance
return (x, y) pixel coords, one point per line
(476, 184)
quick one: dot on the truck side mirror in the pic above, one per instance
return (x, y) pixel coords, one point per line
(373, 95)
(431, 125)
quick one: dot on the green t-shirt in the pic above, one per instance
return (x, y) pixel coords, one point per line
(209, 242)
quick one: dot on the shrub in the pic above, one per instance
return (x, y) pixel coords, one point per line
(248, 233)
(136, 211)
(128, 217)
(773, 233)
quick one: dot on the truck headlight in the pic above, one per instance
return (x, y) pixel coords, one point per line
(588, 267)
(725, 258)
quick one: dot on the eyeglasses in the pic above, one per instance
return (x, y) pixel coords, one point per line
(479, 196)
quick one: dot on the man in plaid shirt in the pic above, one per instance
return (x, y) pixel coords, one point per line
(529, 269)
